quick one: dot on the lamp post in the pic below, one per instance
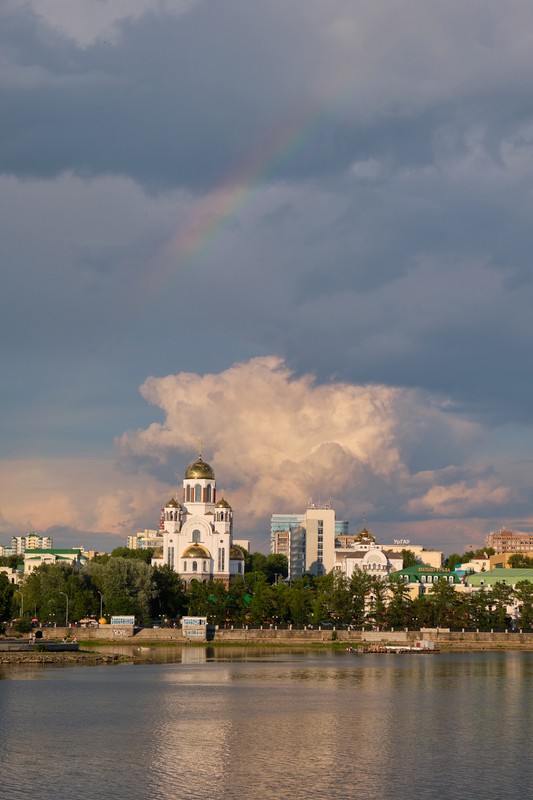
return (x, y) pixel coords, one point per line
(66, 612)
(101, 603)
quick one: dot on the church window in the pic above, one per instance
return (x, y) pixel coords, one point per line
(171, 557)
(204, 567)
(197, 493)
(196, 536)
(221, 559)
(185, 566)
(195, 566)
(188, 493)
(239, 567)
(208, 494)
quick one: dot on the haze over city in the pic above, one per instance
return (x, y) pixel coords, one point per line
(300, 232)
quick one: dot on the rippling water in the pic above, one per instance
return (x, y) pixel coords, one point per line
(239, 724)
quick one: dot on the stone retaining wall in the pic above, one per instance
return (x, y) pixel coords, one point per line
(446, 640)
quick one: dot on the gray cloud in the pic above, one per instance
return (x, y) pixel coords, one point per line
(380, 158)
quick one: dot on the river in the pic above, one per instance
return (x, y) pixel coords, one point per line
(236, 723)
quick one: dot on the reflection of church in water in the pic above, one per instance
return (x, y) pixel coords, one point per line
(198, 532)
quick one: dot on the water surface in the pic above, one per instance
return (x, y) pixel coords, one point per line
(229, 723)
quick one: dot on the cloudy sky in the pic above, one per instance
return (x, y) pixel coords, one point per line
(297, 230)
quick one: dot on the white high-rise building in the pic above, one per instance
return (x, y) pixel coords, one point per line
(197, 533)
(308, 540)
(31, 542)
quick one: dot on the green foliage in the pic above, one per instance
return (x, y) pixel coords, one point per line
(7, 598)
(140, 554)
(10, 561)
(273, 566)
(520, 561)
(454, 559)
(169, 598)
(409, 558)
(43, 592)
(126, 585)
(22, 625)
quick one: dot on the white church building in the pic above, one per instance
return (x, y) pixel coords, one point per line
(197, 533)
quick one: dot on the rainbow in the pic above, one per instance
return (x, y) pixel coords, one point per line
(211, 214)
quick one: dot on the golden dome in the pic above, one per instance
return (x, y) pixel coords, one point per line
(172, 503)
(196, 551)
(200, 469)
(236, 553)
(223, 503)
(365, 535)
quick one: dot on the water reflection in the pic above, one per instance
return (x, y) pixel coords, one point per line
(284, 724)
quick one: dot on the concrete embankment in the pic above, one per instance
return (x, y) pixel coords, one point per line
(444, 639)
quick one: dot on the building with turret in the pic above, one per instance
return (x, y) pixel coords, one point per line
(197, 532)
(361, 551)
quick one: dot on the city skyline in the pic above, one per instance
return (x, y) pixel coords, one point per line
(298, 232)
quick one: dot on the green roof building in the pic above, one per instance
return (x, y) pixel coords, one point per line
(509, 576)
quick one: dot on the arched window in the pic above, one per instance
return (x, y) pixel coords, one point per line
(195, 566)
(196, 536)
(197, 493)
(185, 566)
(204, 566)
(208, 494)
(188, 493)
(239, 566)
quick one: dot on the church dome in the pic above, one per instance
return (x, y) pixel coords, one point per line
(223, 503)
(365, 535)
(172, 503)
(200, 469)
(196, 551)
(236, 553)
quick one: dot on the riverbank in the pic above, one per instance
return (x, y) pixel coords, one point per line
(444, 639)
(83, 657)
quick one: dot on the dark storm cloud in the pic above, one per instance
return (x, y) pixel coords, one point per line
(384, 237)
(180, 100)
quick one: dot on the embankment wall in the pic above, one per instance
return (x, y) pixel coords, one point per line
(446, 640)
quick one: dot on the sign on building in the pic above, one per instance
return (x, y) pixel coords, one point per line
(194, 627)
(122, 620)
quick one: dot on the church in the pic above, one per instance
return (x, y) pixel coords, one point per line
(197, 532)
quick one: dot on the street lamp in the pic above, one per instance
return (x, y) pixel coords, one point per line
(101, 603)
(66, 613)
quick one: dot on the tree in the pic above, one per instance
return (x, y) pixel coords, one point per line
(11, 561)
(520, 561)
(445, 602)
(7, 602)
(524, 594)
(399, 607)
(169, 598)
(360, 585)
(126, 585)
(272, 566)
(261, 608)
(377, 611)
(143, 554)
(409, 558)
(44, 591)
(499, 597)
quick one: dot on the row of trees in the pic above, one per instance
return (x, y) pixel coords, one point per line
(121, 583)
(131, 586)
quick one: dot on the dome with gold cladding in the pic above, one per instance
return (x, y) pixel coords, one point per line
(200, 469)
(196, 551)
